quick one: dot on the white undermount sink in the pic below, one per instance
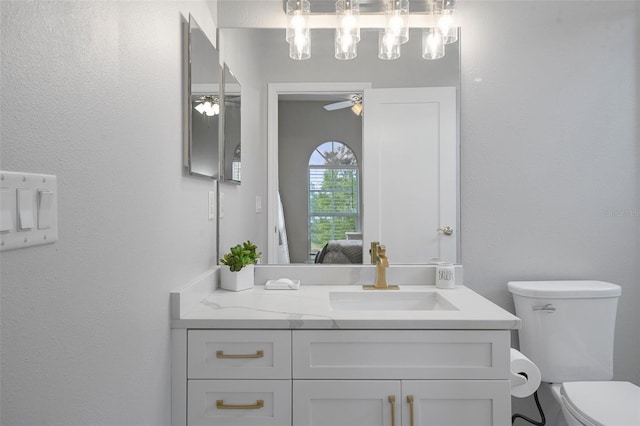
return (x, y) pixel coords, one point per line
(389, 300)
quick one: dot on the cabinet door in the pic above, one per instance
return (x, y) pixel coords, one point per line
(456, 402)
(346, 403)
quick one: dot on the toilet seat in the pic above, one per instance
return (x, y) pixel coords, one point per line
(603, 403)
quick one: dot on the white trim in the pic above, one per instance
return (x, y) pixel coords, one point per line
(274, 90)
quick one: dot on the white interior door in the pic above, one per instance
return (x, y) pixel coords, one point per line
(410, 172)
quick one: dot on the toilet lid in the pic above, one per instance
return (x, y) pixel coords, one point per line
(604, 403)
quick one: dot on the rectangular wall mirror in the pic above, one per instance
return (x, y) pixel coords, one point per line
(203, 104)
(232, 141)
(297, 122)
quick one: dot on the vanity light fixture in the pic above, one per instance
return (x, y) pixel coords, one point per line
(297, 34)
(347, 33)
(390, 17)
(208, 105)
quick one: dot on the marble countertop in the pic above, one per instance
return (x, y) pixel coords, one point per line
(309, 308)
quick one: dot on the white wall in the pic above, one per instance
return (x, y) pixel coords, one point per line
(92, 92)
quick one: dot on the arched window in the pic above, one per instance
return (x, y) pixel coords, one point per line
(334, 194)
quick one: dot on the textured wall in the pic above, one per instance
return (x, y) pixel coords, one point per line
(92, 92)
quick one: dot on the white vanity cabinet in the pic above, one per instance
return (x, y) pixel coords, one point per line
(400, 377)
(341, 377)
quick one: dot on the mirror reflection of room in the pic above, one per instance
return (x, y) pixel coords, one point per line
(319, 177)
(303, 124)
(204, 104)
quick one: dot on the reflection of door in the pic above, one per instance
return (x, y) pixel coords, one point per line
(409, 172)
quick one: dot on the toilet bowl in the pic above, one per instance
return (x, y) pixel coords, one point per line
(567, 331)
(598, 403)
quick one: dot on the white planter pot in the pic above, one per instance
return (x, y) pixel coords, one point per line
(236, 281)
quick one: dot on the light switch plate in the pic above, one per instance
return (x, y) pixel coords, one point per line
(31, 219)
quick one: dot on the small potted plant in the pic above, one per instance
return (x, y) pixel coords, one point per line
(240, 261)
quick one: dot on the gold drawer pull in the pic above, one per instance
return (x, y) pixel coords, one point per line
(410, 401)
(220, 405)
(258, 354)
(392, 401)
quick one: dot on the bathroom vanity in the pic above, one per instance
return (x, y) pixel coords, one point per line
(339, 355)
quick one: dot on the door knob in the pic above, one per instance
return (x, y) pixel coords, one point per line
(447, 230)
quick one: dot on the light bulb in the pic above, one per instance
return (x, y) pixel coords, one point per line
(388, 46)
(347, 15)
(300, 48)
(448, 28)
(432, 43)
(297, 33)
(397, 19)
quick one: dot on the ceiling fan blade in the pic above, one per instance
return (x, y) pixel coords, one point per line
(338, 105)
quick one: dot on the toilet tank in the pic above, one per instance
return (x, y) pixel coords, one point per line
(567, 327)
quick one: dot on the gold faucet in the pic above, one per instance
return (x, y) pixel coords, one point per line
(373, 251)
(382, 262)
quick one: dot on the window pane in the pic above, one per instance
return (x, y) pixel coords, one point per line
(323, 229)
(334, 194)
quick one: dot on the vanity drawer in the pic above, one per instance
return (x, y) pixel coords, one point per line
(239, 402)
(239, 354)
(400, 354)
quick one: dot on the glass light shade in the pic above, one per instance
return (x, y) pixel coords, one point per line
(357, 109)
(388, 46)
(397, 19)
(348, 14)
(298, 12)
(300, 47)
(346, 46)
(200, 108)
(448, 27)
(432, 43)
(209, 112)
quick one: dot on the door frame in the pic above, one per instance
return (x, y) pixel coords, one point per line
(274, 91)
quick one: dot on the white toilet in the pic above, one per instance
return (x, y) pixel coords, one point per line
(567, 331)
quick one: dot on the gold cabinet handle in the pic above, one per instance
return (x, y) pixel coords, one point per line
(221, 355)
(410, 401)
(220, 405)
(392, 401)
